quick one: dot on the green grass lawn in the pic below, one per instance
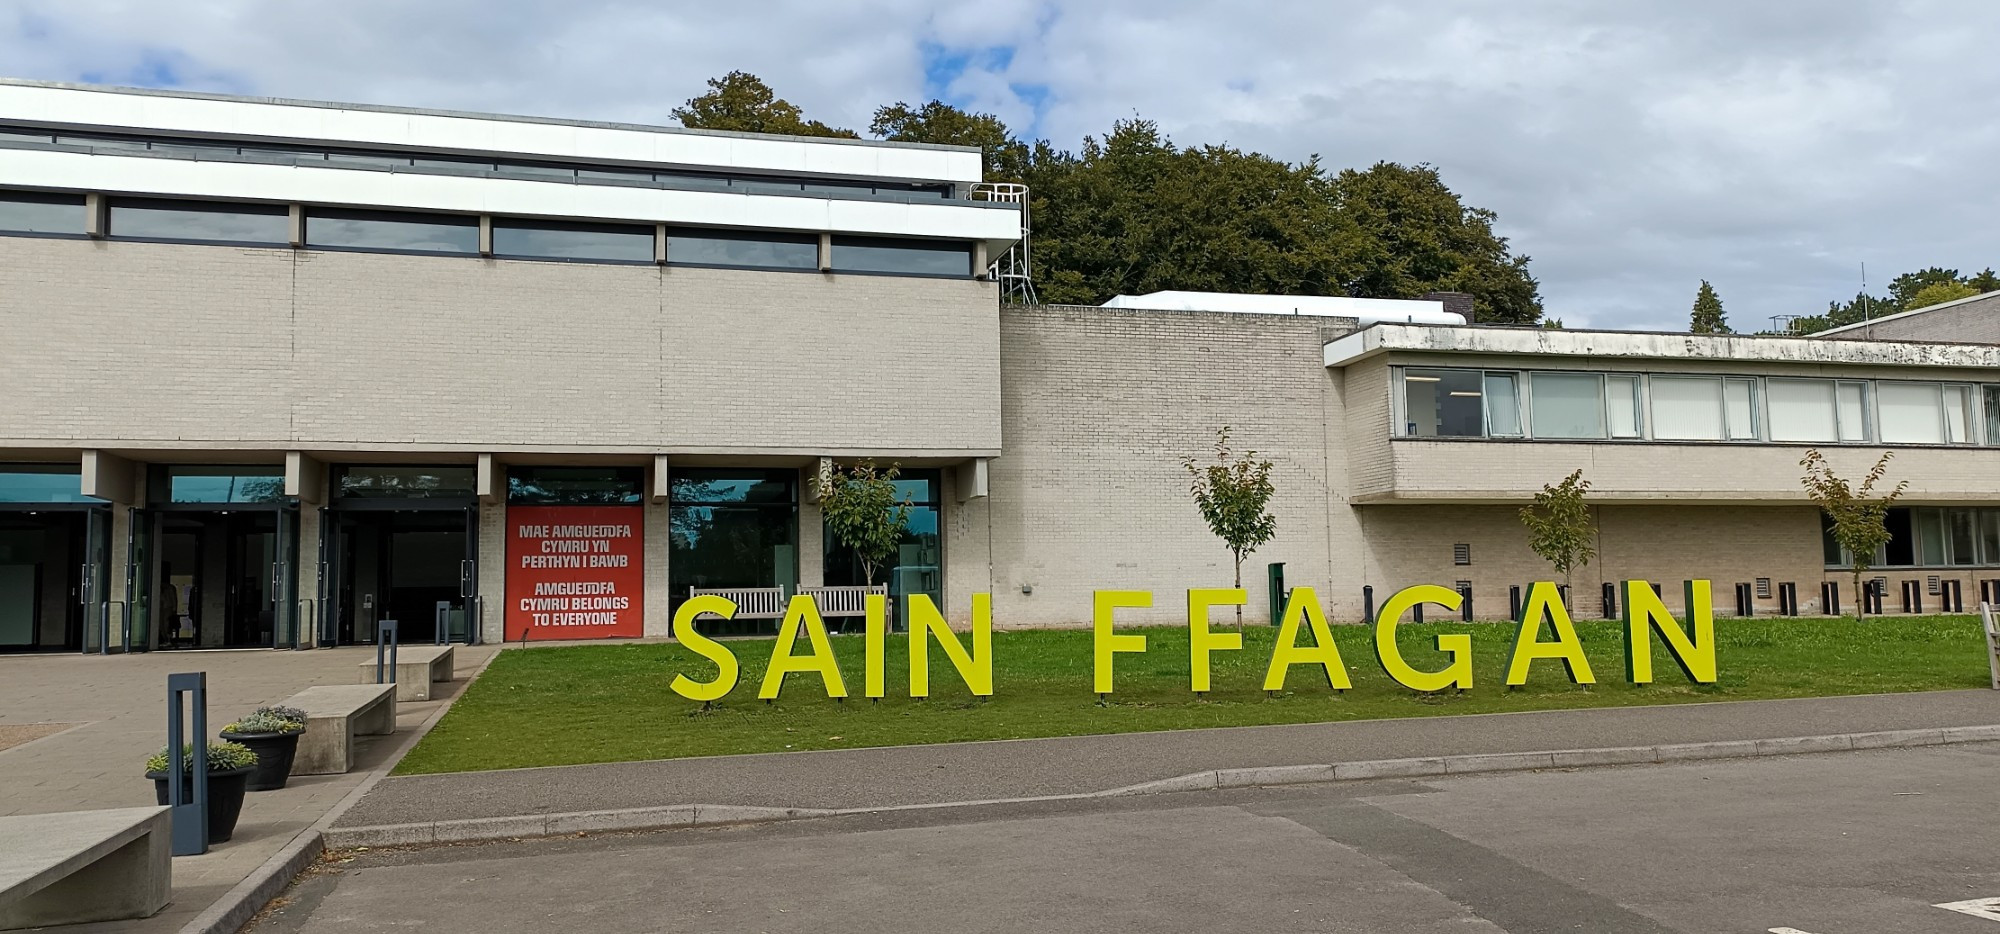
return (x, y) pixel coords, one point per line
(611, 703)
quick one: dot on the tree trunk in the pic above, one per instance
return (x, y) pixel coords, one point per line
(1860, 599)
(1239, 586)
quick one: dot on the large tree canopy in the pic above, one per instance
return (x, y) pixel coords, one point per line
(1132, 212)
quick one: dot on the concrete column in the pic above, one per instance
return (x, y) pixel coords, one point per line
(660, 244)
(812, 527)
(826, 252)
(305, 478)
(298, 226)
(493, 567)
(306, 594)
(658, 532)
(110, 477)
(490, 480)
(486, 235)
(971, 479)
(96, 216)
(979, 260)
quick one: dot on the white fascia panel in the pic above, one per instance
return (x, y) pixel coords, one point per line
(478, 134)
(1642, 345)
(510, 197)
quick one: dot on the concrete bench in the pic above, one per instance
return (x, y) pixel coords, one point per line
(335, 714)
(416, 667)
(84, 866)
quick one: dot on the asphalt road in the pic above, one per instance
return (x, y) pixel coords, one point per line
(1842, 843)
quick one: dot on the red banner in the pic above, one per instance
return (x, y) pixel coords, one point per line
(575, 572)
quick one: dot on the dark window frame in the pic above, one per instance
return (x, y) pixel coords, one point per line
(504, 223)
(198, 206)
(52, 198)
(941, 247)
(788, 238)
(390, 216)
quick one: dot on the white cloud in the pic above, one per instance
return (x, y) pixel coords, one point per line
(1631, 148)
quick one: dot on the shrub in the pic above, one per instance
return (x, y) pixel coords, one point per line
(222, 757)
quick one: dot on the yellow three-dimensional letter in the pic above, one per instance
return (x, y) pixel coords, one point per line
(1304, 605)
(976, 668)
(1105, 641)
(1458, 644)
(1643, 610)
(725, 661)
(802, 613)
(1201, 640)
(1545, 601)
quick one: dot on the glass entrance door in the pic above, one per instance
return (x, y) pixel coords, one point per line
(222, 577)
(138, 635)
(401, 565)
(94, 596)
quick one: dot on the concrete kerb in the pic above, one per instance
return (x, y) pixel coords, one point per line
(228, 914)
(697, 815)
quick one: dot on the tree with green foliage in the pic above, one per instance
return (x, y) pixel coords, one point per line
(1938, 293)
(1006, 158)
(1857, 518)
(1905, 288)
(1708, 317)
(1559, 526)
(863, 512)
(1416, 236)
(1234, 496)
(741, 102)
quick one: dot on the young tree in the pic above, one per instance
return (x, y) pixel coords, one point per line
(1707, 317)
(1856, 516)
(1559, 525)
(861, 509)
(1234, 496)
(1939, 293)
(742, 102)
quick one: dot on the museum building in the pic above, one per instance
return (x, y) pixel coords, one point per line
(273, 371)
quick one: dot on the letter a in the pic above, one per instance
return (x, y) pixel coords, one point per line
(725, 661)
(1304, 606)
(802, 613)
(1643, 610)
(1545, 601)
(1458, 644)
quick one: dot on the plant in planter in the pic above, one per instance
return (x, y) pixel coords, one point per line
(273, 734)
(229, 766)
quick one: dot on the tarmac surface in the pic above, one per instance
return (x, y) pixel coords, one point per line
(909, 775)
(1865, 842)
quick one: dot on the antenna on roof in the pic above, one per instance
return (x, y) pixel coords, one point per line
(1864, 290)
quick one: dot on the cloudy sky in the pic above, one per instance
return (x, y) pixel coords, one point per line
(1632, 148)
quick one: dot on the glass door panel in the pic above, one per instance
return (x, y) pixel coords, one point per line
(94, 592)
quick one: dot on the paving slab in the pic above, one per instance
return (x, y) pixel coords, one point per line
(913, 775)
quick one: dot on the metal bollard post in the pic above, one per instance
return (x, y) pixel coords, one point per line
(1417, 613)
(1608, 600)
(188, 806)
(1514, 603)
(385, 637)
(1368, 604)
(1465, 603)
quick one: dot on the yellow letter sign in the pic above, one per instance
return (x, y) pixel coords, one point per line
(1545, 602)
(1105, 642)
(1304, 605)
(1458, 644)
(802, 613)
(1201, 640)
(725, 660)
(976, 668)
(1643, 610)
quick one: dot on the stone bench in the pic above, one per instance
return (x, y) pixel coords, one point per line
(416, 667)
(335, 714)
(84, 866)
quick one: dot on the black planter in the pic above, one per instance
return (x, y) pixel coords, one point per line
(274, 757)
(225, 799)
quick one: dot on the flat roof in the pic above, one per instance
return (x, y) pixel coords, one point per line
(1898, 316)
(1647, 345)
(241, 117)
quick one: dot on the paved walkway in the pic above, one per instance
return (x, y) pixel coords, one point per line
(853, 778)
(116, 706)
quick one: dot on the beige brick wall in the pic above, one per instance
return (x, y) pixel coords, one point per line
(1974, 322)
(125, 345)
(1099, 407)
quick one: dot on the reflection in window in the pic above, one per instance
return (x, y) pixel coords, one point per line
(574, 486)
(1853, 408)
(226, 484)
(403, 482)
(907, 257)
(917, 566)
(1687, 408)
(34, 212)
(1503, 405)
(1566, 405)
(1802, 410)
(730, 248)
(209, 221)
(377, 230)
(42, 483)
(1621, 405)
(731, 527)
(1911, 413)
(1443, 404)
(1957, 414)
(617, 243)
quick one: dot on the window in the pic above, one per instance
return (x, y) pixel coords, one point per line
(31, 212)
(1910, 413)
(904, 257)
(1930, 537)
(1621, 405)
(232, 484)
(1739, 398)
(1802, 410)
(42, 483)
(1958, 414)
(201, 221)
(1962, 532)
(1566, 405)
(1992, 400)
(574, 486)
(1503, 405)
(915, 565)
(1687, 408)
(1442, 404)
(403, 482)
(751, 250)
(732, 527)
(380, 230)
(1853, 411)
(620, 243)
(1989, 536)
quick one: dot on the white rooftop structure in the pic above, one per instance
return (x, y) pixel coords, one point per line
(1646, 345)
(1367, 310)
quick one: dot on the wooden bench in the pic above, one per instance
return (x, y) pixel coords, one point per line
(335, 714)
(416, 667)
(842, 601)
(84, 866)
(751, 602)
